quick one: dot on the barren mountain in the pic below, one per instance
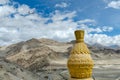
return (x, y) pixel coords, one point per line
(31, 54)
(42, 54)
(39, 53)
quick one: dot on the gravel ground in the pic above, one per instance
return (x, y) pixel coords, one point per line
(98, 74)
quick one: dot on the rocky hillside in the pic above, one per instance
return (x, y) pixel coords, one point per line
(11, 71)
(36, 55)
(101, 52)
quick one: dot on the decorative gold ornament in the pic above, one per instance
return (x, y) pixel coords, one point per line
(80, 63)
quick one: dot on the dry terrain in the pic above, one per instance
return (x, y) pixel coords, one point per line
(45, 59)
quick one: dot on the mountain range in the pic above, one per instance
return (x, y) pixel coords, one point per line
(34, 55)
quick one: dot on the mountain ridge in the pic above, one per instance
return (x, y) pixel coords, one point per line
(37, 55)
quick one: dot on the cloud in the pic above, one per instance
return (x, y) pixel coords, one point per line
(107, 28)
(4, 2)
(96, 30)
(87, 21)
(114, 4)
(103, 39)
(107, 1)
(89, 26)
(62, 16)
(23, 23)
(6, 10)
(62, 5)
(24, 10)
(98, 37)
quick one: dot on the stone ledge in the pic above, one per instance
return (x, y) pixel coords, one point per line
(81, 79)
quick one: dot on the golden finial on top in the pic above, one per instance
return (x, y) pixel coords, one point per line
(79, 34)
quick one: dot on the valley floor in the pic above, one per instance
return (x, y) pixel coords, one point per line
(107, 69)
(98, 74)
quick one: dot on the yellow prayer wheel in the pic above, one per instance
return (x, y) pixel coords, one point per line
(80, 63)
